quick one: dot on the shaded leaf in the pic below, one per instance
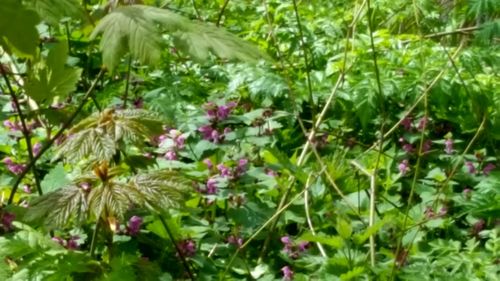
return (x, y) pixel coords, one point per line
(17, 28)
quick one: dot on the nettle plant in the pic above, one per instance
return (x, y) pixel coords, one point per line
(103, 184)
(137, 145)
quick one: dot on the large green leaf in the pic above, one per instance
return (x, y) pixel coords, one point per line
(51, 78)
(55, 179)
(138, 29)
(18, 33)
(52, 11)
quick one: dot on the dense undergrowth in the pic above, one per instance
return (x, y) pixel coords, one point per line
(249, 140)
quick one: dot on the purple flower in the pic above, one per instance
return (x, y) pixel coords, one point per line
(58, 240)
(287, 273)
(7, 219)
(138, 103)
(286, 240)
(171, 155)
(235, 240)
(470, 167)
(11, 126)
(422, 123)
(429, 213)
(16, 168)
(211, 186)
(27, 188)
(448, 146)
(180, 142)
(72, 244)
(408, 147)
(209, 163)
(242, 166)
(206, 131)
(8, 161)
(426, 146)
(36, 148)
(224, 171)
(407, 122)
(271, 173)
(134, 225)
(187, 248)
(404, 167)
(489, 167)
(467, 192)
(215, 136)
(303, 246)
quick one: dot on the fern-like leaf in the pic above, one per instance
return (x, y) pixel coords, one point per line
(59, 207)
(138, 29)
(99, 136)
(162, 189)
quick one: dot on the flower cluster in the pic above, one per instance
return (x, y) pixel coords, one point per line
(222, 172)
(14, 167)
(292, 249)
(480, 165)
(408, 125)
(235, 240)
(216, 114)
(187, 248)
(174, 141)
(71, 243)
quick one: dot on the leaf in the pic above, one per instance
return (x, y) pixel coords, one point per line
(333, 241)
(18, 28)
(55, 179)
(344, 228)
(52, 11)
(58, 207)
(138, 29)
(52, 78)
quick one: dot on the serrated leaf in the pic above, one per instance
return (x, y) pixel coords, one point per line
(52, 11)
(55, 179)
(51, 78)
(343, 228)
(336, 242)
(17, 28)
(138, 29)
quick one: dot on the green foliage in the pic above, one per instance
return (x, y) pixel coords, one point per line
(138, 29)
(51, 78)
(205, 168)
(14, 12)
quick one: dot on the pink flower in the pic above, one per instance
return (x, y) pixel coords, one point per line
(287, 273)
(448, 146)
(72, 243)
(7, 219)
(470, 167)
(235, 240)
(171, 155)
(211, 186)
(36, 148)
(467, 192)
(58, 240)
(404, 167)
(407, 122)
(209, 163)
(422, 123)
(426, 146)
(134, 225)
(187, 248)
(224, 171)
(27, 188)
(489, 167)
(303, 246)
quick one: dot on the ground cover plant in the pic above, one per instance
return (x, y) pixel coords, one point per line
(249, 140)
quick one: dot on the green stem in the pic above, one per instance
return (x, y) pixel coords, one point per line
(94, 237)
(177, 248)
